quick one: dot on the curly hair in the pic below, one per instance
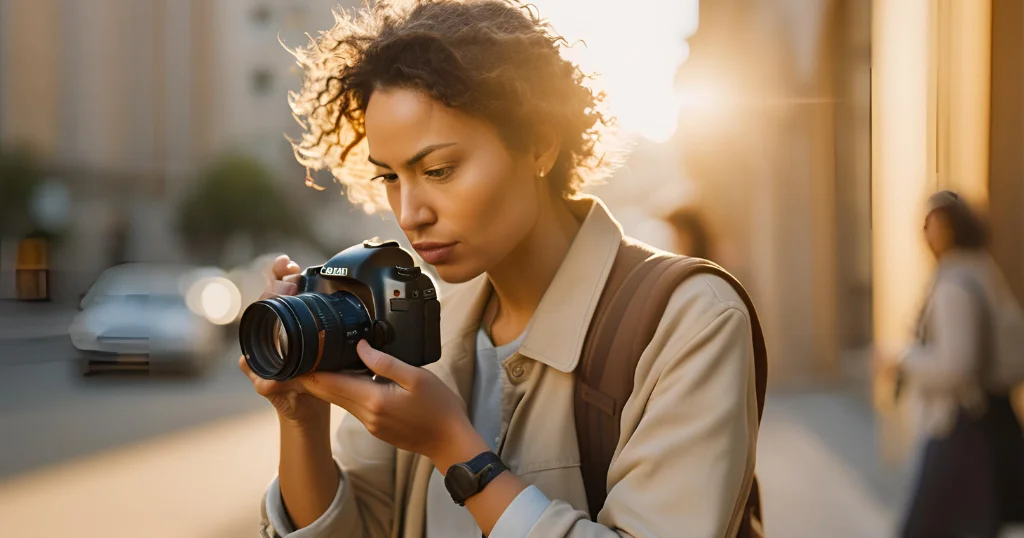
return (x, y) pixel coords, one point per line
(494, 59)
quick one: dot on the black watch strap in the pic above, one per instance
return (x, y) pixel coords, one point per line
(464, 480)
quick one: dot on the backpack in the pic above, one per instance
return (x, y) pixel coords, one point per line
(628, 312)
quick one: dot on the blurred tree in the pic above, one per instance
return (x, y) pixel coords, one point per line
(237, 195)
(20, 173)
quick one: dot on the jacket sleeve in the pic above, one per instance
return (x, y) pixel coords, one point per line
(688, 466)
(363, 505)
(948, 360)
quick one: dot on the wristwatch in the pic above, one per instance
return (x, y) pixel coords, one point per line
(464, 480)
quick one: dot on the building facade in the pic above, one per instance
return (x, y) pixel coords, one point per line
(125, 100)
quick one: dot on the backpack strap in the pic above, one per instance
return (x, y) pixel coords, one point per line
(628, 312)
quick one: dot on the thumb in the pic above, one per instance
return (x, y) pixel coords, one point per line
(386, 366)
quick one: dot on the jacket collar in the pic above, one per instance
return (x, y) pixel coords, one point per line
(556, 332)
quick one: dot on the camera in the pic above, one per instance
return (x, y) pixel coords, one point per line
(372, 291)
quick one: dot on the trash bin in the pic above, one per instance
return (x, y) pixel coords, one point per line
(32, 270)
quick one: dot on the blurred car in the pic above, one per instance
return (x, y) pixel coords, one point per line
(154, 318)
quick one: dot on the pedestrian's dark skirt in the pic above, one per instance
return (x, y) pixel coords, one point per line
(971, 482)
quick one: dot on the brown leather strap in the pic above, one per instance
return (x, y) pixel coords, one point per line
(628, 313)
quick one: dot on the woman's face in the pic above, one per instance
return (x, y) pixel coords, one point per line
(938, 233)
(464, 200)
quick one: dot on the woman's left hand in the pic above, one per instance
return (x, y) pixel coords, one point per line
(417, 412)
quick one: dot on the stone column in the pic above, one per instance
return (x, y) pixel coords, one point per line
(901, 177)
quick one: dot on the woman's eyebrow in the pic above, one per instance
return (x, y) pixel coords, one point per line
(420, 155)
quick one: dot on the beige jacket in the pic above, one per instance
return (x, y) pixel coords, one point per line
(685, 460)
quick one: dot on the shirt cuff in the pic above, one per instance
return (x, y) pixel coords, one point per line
(281, 522)
(520, 516)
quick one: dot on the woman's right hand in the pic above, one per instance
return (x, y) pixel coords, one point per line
(289, 398)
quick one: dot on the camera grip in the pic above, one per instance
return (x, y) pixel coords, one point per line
(432, 331)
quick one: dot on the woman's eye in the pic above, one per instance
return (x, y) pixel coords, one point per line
(440, 173)
(386, 178)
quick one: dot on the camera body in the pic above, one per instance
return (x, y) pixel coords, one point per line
(401, 300)
(372, 291)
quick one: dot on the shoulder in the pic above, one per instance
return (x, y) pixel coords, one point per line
(698, 300)
(704, 305)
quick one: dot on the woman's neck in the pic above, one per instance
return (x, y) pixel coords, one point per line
(521, 279)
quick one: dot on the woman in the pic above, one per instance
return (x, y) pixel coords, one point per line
(480, 137)
(971, 469)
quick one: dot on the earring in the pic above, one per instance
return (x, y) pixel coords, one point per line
(542, 172)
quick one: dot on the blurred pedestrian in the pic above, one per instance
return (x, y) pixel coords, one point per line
(690, 232)
(959, 374)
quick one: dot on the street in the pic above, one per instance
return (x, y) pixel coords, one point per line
(50, 413)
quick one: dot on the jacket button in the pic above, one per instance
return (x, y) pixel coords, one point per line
(518, 370)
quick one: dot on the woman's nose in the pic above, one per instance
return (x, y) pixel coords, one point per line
(415, 212)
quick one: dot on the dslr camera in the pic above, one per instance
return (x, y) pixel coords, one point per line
(371, 291)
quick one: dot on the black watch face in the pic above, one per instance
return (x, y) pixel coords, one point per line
(461, 482)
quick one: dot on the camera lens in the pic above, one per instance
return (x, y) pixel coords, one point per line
(288, 336)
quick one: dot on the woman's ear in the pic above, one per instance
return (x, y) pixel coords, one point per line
(545, 150)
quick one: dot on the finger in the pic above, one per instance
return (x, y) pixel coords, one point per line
(280, 287)
(286, 287)
(357, 394)
(387, 366)
(244, 367)
(283, 266)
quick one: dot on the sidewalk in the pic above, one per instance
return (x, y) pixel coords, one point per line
(819, 472)
(24, 320)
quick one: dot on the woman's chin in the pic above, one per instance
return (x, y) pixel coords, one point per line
(456, 273)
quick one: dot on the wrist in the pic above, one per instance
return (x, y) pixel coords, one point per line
(313, 422)
(462, 444)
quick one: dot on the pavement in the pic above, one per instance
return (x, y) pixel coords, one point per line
(819, 469)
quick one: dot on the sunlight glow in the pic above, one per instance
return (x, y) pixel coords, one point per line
(636, 51)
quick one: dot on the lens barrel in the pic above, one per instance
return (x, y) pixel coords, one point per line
(288, 336)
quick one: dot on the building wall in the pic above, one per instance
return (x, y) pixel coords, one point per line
(1006, 164)
(766, 157)
(127, 99)
(30, 46)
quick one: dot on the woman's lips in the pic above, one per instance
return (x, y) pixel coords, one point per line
(434, 253)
